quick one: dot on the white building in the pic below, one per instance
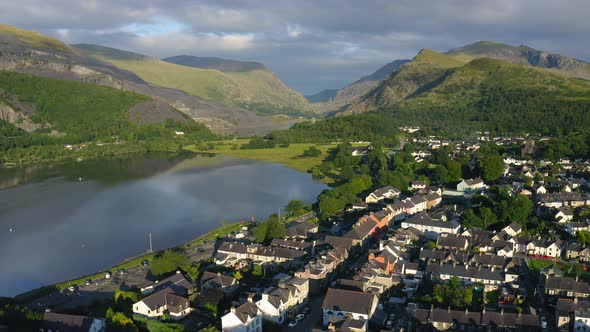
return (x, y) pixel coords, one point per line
(340, 304)
(245, 318)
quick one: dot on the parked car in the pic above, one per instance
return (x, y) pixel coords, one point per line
(293, 323)
(72, 288)
(145, 262)
(201, 249)
(88, 282)
(299, 317)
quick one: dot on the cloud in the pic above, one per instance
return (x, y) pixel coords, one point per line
(310, 44)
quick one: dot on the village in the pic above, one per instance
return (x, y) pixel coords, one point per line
(402, 259)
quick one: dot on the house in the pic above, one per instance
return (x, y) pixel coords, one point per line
(340, 303)
(301, 229)
(229, 253)
(491, 278)
(431, 228)
(53, 322)
(471, 186)
(381, 194)
(564, 215)
(437, 319)
(321, 271)
(244, 318)
(574, 227)
(176, 284)
(451, 241)
(582, 320)
(565, 310)
(414, 185)
(432, 200)
(566, 287)
(277, 301)
(155, 305)
(513, 229)
(548, 248)
(211, 280)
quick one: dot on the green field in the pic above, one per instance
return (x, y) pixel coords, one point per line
(287, 156)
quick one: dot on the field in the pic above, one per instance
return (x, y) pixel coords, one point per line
(287, 156)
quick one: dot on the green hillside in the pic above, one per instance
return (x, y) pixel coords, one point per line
(80, 111)
(34, 39)
(409, 79)
(257, 89)
(499, 96)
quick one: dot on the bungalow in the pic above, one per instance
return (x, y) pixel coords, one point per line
(340, 303)
(381, 194)
(245, 318)
(471, 186)
(431, 228)
(211, 280)
(53, 322)
(176, 284)
(490, 278)
(155, 305)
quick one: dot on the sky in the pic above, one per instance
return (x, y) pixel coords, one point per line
(310, 44)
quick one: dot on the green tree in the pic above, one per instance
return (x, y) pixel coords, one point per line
(295, 207)
(517, 209)
(454, 171)
(583, 237)
(492, 167)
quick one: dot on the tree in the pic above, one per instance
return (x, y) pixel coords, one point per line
(453, 294)
(311, 152)
(488, 217)
(440, 174)
(517, 209)
(258, 271)
(295, 206)
(492, 167)
(238, 275)
(470, 219)
(583, 237)
(454, 171)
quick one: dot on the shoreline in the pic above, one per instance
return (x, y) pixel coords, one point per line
(125, 264)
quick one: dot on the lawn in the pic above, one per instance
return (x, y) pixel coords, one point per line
(288, 156)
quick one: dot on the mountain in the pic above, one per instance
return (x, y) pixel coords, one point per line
(333, 100)
(224, 65)
(523, 55)
(43, 56)
(424, 69)
(258, 89)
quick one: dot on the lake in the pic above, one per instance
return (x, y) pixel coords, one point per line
(69, 220)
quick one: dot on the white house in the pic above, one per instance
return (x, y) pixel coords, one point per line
(277, 301)
(432, 228)
(582, 320)
(513, 229)
(380, 194)
(245, 318)
(548, 248)
(340, 304)
(155, 305)
(471, 185)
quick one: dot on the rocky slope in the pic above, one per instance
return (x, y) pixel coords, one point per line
(29, 52)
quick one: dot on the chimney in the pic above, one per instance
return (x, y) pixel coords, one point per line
(232, 309)
(449, 309)
(576, 300)
(502, 311)
(492, 268)
(466, 311)
(177, 271)
(251, 297)
(484, 310)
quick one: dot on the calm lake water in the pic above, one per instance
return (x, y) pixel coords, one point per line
(54, 227)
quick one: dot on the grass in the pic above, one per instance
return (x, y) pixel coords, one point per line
(287, 156)
(35, 39)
